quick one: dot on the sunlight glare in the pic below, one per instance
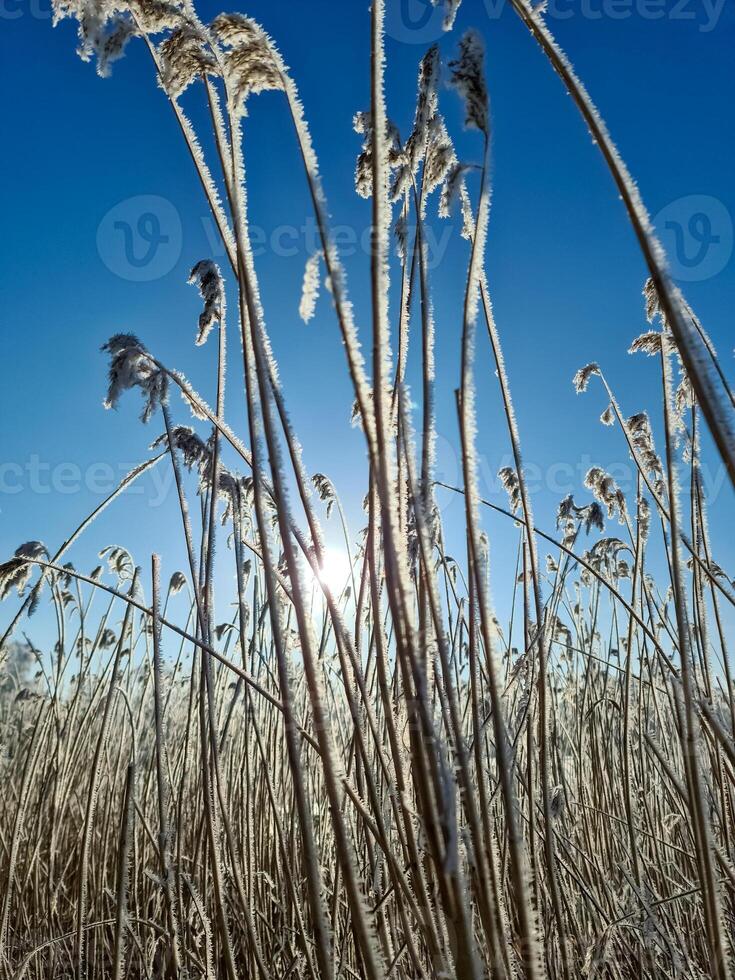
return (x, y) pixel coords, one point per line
(335, 570)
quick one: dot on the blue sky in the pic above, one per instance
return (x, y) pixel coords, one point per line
(84, 153)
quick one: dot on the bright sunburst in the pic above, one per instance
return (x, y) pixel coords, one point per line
(334, 572)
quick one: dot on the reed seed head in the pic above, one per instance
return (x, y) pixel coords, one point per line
(468, 78)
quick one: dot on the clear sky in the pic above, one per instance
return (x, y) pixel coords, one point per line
(88, 160)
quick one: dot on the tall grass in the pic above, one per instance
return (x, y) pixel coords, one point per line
(376, 779)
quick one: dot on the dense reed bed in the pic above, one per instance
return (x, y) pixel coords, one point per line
(373, 777)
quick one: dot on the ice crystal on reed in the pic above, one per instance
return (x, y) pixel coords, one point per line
(310, 288)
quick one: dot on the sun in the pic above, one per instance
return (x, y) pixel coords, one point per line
(334, 571)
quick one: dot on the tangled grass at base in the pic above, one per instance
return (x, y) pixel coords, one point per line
(373, 779)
